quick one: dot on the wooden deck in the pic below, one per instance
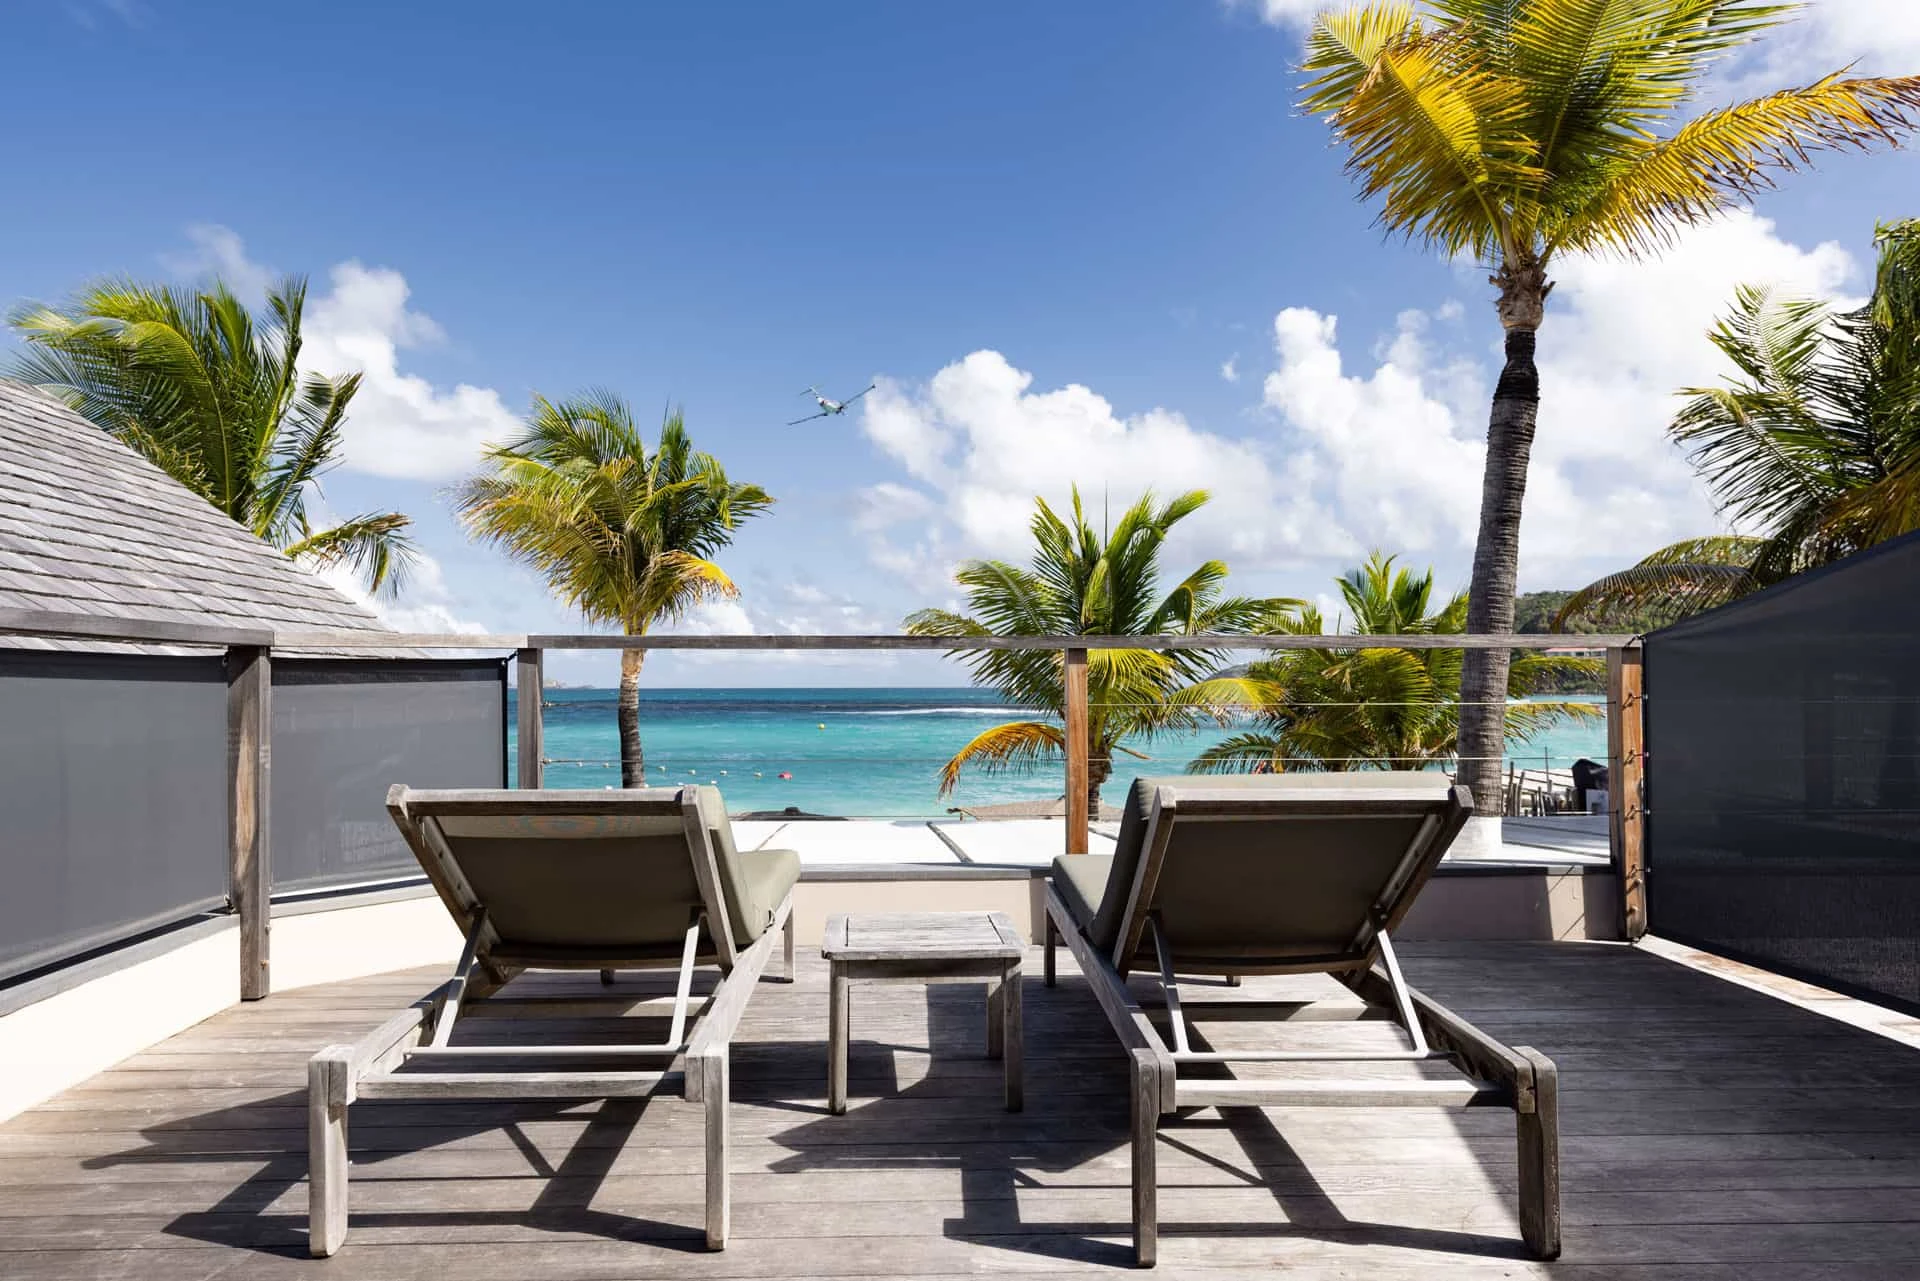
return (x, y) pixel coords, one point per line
(1709, 1131)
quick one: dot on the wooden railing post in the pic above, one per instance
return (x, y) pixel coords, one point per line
(1076, 731)
(1626, 784)
(530, 725)
(249, 787)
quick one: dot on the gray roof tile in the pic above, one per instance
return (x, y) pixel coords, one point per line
(88, 525)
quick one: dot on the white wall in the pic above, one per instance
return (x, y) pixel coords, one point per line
(71, 1035)
(352, 942)
(59, 1042)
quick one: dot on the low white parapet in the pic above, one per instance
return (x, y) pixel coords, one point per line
(117, 1005)
(76, 1031)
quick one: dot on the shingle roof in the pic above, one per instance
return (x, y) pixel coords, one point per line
(89, 526)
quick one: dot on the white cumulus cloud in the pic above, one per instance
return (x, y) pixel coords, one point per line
(1401, 444)
(1880, 37)
(400, 424)
(1368, 441)
(425, 605)
(1281, 13)
(791, 609)
(1399, 460)
(983, 444)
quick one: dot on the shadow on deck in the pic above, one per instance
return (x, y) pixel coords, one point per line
(1707, 1131)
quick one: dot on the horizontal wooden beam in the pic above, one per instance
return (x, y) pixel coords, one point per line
(935, 644)
(1530, 640)
(63, 625)
(28, 622)
(519, 1085)
(291, 639)
(1456, 1093)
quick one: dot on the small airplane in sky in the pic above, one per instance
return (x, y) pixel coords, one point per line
(828, 407)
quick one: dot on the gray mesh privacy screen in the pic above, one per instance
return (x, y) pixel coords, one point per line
(1783, 802)
(113, 815)
(343, 732)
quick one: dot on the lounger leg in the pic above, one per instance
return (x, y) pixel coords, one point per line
(1539, 1135)
(714, 1091)
(788, 973)
(996, 1017)
(1146, 1123)
(1053, 941)
(839, 1026)
(327, 1151)
(1012, 1038)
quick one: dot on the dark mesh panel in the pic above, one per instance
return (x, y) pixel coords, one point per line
(113, 799)
(345, 731)
(1783, 820)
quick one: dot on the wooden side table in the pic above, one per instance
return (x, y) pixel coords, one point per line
(926, 947)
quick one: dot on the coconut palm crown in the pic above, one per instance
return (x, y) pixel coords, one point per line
(1387, 708)
(1516, 130)
(214, 396)
(1814, 440)
(624, 534)
(1086, 582)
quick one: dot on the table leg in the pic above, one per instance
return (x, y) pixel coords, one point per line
(996, 1017)
(839, 1028)
(1013, 1037)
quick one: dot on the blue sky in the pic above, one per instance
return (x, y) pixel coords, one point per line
(1073, 241)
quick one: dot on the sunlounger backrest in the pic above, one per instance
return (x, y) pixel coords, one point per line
(570, 876)
(1269, 872)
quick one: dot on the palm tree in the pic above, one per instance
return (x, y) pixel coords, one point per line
(214, 396)
(1815, 440)
(1084, 582)
(1386, 708)
(1514, 130)
(625, 536)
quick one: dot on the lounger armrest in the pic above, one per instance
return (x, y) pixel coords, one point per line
(1130, 1023)
(345, 1066)
(1481, 1055)
(729, 1001)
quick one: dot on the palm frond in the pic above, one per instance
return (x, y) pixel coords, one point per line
(375, 546)
(1728, 155)
(1253, 751)
(1527, 721)
(1681, 578)
(1434, 135)
(1013, 746)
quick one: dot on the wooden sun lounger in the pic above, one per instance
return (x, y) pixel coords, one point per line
(1284, 875)
(606, 881)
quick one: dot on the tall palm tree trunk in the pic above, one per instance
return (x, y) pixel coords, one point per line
(1496, 552)
(1099, 770)
(633, 760)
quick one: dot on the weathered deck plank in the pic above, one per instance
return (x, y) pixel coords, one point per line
(1707, 1131)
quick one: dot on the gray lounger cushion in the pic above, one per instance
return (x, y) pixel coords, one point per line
(1082, 882)
(766, 877)
(754, 881)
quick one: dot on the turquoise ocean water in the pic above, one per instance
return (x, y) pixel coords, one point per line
(859, 752)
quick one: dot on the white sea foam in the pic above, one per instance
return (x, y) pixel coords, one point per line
(945, 711)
